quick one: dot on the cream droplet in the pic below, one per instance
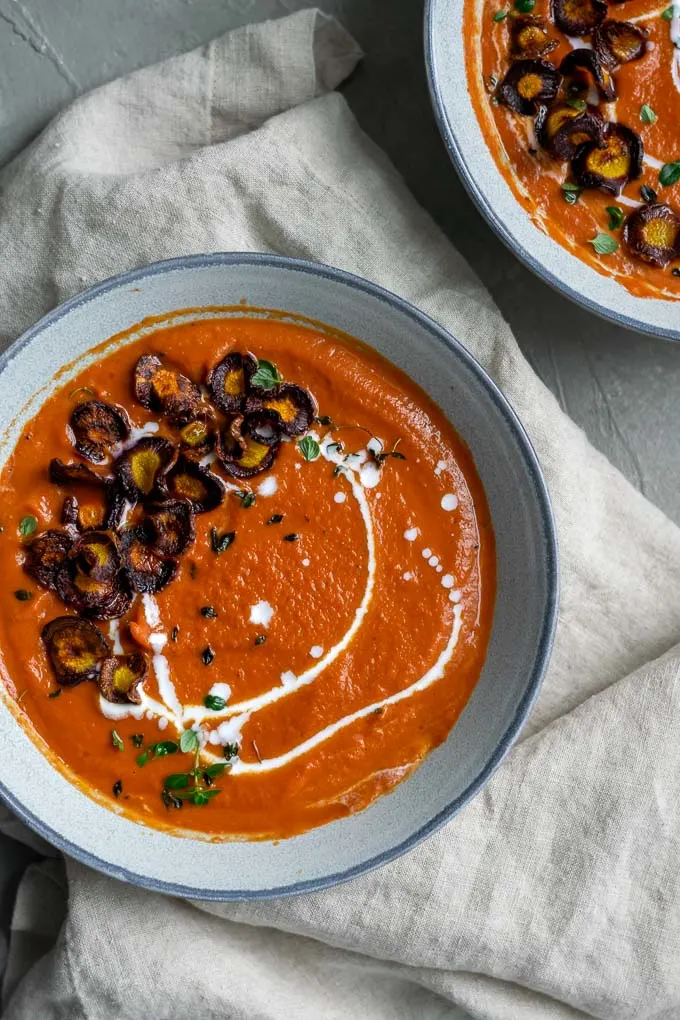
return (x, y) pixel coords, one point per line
(427, 553)
(411, 534)
(340, 497)
(449, 501)
(158, 642)
(221, 691)
(305, 563)
(268, 486)
(369, 475)
(448, 581)
(433, 561)
(151, 610)
(261, 613)
(316, 651)
(455, 596)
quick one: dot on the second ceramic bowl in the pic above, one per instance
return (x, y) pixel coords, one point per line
(464, 138)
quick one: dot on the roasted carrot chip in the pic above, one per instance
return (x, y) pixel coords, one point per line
(198, 436)
(99, 600)
(146, 571)
(141, 469)
(96, 555)
(588, 61)
(70, 514)
(97, 428)
(78, 517)
(611, 164)
(527, 85)
(617, 42)
(116, 506)
(90, 578)
(162, 387)
(169, 526)
(229, 381)
(121, 676)
(201, 487)
(291, 407)
(562, 130)
(67, 474)
(75, 648)
(578, 17)
(652, 233)
(529, 37)
(45, 555)
(250, 445)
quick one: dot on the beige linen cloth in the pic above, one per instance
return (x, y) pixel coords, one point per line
(556, 892)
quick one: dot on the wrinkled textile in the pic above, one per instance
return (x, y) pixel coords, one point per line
(555, 893)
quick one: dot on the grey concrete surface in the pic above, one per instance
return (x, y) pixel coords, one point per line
(619, 386)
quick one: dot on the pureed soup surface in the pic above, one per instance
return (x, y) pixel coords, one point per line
(648, 103)
(337, 624)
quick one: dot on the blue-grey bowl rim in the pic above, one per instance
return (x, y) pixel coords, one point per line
(448, 341)
(496, 224)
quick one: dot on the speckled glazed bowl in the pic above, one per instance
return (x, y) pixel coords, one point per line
(524, 614)
(462, 133)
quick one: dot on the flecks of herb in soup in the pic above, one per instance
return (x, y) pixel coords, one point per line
(246, 497)
(309, 448)
(27, 525)
(616, 217)
(219, 543)
(160, 750)
(214, 702)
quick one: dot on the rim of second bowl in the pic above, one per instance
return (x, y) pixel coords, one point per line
(548, 623)
(496, 223)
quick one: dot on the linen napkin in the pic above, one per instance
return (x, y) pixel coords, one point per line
(555, 893)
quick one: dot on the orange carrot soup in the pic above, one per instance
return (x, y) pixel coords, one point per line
(579, 101)
(248, 576)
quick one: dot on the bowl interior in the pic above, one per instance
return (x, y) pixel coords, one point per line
(524, 612)
(464, 138)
